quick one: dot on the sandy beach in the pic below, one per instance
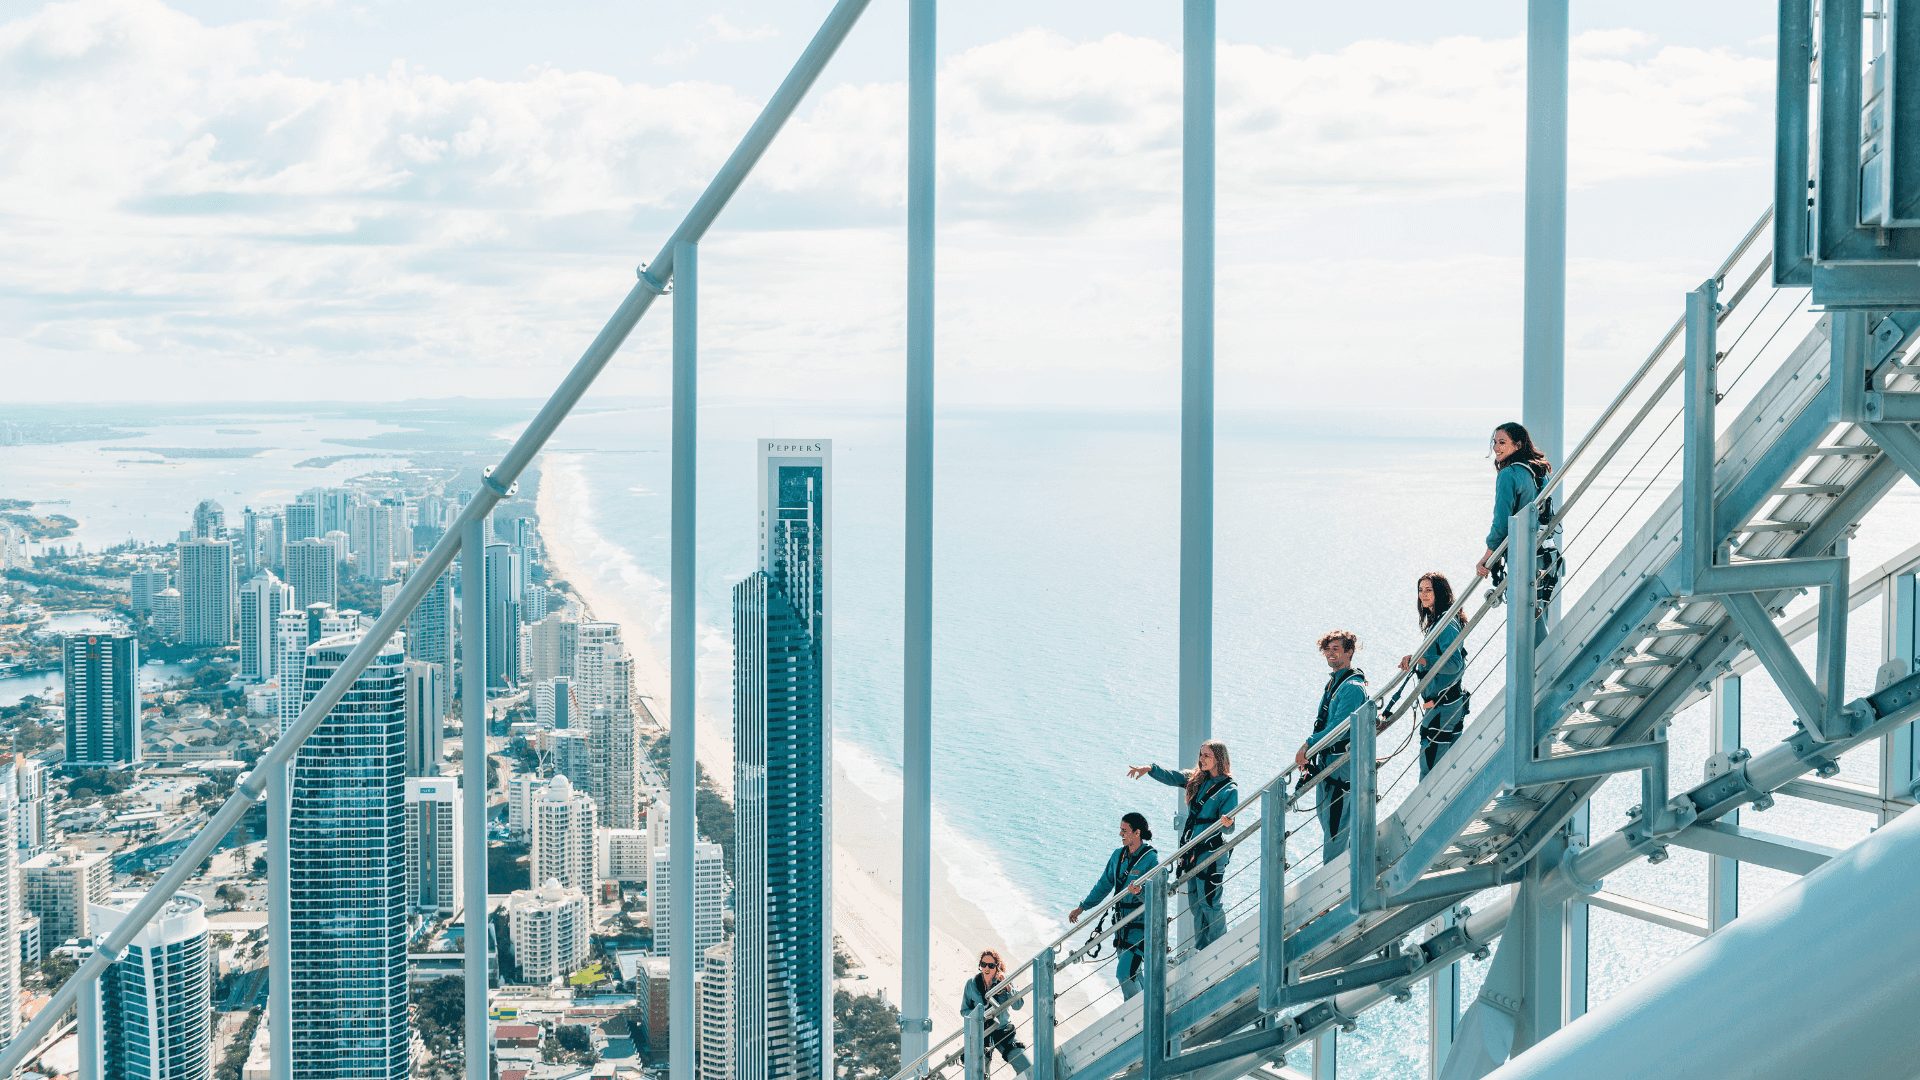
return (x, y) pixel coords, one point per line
(866, 837)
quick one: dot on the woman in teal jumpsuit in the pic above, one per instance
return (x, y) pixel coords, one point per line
(1211, 796)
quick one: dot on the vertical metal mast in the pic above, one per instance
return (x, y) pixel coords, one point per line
(917, 759)
(1544, 324)
(473, 770)
(680, 828)
(1543, 411)
(1196, 379)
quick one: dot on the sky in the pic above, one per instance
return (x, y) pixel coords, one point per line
(215, 200)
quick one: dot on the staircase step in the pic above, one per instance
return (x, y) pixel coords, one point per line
(1812, 489)
(1610, 691)
(1775, 527)
(1641, 660)
(1676, 629)
(1868, 450)
(1584, 719)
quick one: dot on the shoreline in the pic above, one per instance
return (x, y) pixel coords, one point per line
(866, 829)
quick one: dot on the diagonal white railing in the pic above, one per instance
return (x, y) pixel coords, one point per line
(496, 482)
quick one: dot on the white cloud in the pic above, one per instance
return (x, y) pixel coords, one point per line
(720, 28)
(174, 202)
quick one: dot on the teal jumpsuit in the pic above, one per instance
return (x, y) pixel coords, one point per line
(1346, 691)
(999, 1033)
(1130, 941)
(1440, 725)
(1216, 798)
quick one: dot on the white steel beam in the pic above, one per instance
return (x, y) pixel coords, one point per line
(1657, 914)
(1751, 845)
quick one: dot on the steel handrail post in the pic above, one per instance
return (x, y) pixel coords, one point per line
(680, 658)
(1273, 900)
(1043, 1015)
(493, 488)
(1362, 830)
(1520, 615)
(975, 1027)
(473, 808)
(1153, 978)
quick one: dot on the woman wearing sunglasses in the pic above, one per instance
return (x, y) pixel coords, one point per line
(999, 1028)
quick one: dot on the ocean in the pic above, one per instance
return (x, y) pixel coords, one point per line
(1056, 620)
(1056, 626)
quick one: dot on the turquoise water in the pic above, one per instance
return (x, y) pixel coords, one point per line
(1056, 589)
(1056, 594)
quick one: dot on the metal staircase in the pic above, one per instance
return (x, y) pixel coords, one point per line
(1312, 943)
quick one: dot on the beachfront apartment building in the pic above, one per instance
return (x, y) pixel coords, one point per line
(59, 885)
(426, 717)
(206, 591)
(716, 1014)
(433, 844)
(209, 521)
(314, 572)
(501, 575)
(561, 822)
(551, 643)
(345, 903)
(709, 888)
(299, 629)
(262, 601)
(153, 1007)
(144, 585)
(549, 927)
(621, 854)
(430, 631)
(783, 767)
(102, 679)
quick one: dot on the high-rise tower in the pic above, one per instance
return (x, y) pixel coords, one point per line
(206, 590)
(347, 876)
(783, 773)
(562, 824)
(313, 571)
(103, 700)
(209, 521)
(155, 1004)
(430, 631)
(262, 599)
(503, 612)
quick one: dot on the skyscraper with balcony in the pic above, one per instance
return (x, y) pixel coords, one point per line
(430, 629)
(262, 600)
(206, 591)
(346, 891)
(313, 571)
(433, 845)
(102, 675)
(155, 1003)
(209, 521)
(709, 888)
(302, 522)
(502, 578)
(561, 820)
(426, 718)
(716, 1013)
(144, 585)
(549, 927)
(783, 765)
